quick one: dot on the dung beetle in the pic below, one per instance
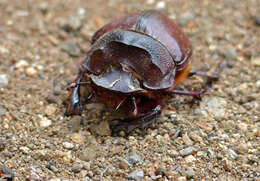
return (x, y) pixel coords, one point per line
(135, 64)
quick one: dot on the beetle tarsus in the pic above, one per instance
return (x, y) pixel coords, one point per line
(129, 124)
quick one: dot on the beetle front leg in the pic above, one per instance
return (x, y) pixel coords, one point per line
(197, 95)
(129, 124)
(74, 106)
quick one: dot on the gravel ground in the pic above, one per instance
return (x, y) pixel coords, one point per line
(218, 138)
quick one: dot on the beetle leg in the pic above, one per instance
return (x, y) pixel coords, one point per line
(119, 105)
(73, 106)
(129, 124)
(204, 74)
(135, 106)
(211, 78)
(197, 95)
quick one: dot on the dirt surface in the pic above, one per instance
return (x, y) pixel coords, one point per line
(41, 45)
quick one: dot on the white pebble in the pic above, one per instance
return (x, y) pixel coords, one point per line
(149, 1)
(68, 145)
(3, 50)
(3, 80)
(31, 71)
(256, 61)
(21, 64)
(160, 5)
(190, 159)
(257, 84)
(24, 149)
(44, 122)
(81, 11)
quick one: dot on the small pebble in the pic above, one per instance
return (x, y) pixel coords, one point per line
(3, 144)
(122, 164)
(212, 106)
(232, 154)
(41, 154)
(77, 168)
(185, 18)
(6, 172)
(257, 84)
(50, 98)
(160, 5)
(3, 111)
(242, 148)
(150, 1)
(227, 164)
(72, 23)
(231, 54)
(3, 50)
(187, 140)
(256, 61)
(68, 145)
(50, 110)
(24, 149)
(31, 71)
(182, 179)
(243, 127)
(4, 80)
(8, 154)
(187, 151)
(257, 20)
(101, 129)
(190, 159)
(21, 64)
(258, 133)
(81, 11)
(71, 48)
(53, 40)
(78, 138)
(188, 172)
(44, 7)
(75, 123)
(50, 165)
(88, 155)
(137, 174)
(133, 158)
(86, 165)
(44, 122)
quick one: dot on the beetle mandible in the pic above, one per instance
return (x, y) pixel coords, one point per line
(137, 60)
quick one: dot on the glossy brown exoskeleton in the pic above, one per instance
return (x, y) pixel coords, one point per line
(135, 64)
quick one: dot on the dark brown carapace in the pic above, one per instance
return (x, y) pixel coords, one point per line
(135, 64)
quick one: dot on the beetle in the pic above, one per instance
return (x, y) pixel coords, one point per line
(134, 63)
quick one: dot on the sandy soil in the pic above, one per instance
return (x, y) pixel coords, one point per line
(218, 138)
